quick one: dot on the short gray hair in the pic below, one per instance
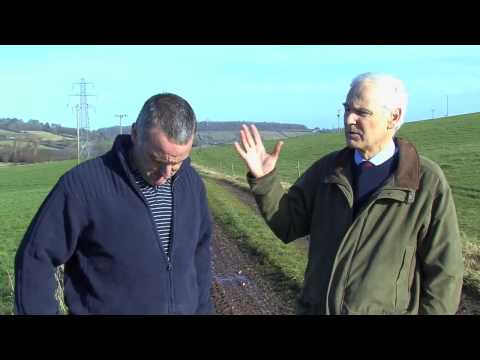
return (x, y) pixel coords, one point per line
(394, 88)
(169, 112)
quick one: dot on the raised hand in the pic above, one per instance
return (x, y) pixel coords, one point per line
(252, 151)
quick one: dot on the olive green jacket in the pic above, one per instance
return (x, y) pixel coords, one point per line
(401, 254)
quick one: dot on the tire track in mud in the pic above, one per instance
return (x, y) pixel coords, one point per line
(240, 287)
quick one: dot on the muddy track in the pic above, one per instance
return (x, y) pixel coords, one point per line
(247, 198)
(241, 286)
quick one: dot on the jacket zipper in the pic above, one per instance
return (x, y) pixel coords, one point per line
(374, 198)
(167, 258)
(344, 188)
(171, 308)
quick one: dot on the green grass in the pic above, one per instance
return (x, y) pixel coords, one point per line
(238, 224)
(250, 231)
(303, 149)
(22, 190)
(228, 136)
(44, 135)
(452, 142)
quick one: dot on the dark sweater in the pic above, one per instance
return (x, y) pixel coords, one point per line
(366, 181)
(97, 223)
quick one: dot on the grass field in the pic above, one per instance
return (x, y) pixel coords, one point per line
(22, 190)
(452, 142)
(44, 135)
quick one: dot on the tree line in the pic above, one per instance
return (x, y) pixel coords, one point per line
(18, 125)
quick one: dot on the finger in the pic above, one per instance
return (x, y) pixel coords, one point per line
(249, 136)
(277, 149)
(240, 151)
(256, 135)
(245, 143)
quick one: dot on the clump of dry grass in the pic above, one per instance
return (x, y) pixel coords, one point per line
(58, 291)
(12, 291)
(59, 294)
(471, 258)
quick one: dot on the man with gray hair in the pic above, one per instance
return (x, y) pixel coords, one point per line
(384, 236)
(132, 227)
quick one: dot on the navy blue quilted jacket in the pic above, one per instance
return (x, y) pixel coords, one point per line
(97, 223)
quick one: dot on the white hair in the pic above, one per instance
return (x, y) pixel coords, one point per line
(394, 90)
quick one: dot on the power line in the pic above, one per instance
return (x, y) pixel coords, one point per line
(83, 121)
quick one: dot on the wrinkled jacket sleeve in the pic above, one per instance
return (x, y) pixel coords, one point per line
(48, 242)
(286, 213)
(203, 259)
(440, 254)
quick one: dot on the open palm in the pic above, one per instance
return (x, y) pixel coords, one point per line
(252, 151)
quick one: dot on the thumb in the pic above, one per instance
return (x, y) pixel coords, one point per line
(277, 149)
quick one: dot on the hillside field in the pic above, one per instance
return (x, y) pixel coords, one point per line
(453, 142)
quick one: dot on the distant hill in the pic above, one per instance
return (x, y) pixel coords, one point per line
(26, 141)
(224, 132)
(15, 125)
(236, 125)
(109, 133)
(227, 132)
(34, 141)
(18, 126)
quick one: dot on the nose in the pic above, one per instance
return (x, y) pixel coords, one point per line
(350, 118)
(168, 171)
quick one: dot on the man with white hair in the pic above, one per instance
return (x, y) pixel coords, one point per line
(384, 236)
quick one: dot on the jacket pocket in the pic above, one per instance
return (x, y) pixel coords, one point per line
(404, 279)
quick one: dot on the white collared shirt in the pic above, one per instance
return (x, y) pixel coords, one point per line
(384, 155)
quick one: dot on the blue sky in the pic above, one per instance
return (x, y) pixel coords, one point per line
(292, 84)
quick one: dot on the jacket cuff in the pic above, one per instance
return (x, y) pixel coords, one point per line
(262, 185)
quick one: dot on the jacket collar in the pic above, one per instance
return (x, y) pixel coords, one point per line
(406, 176)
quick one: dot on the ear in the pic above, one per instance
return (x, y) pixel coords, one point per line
(394, 118)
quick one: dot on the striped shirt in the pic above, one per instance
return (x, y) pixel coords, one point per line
(160, 201)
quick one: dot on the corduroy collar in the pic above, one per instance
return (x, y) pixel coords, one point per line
(407, 174)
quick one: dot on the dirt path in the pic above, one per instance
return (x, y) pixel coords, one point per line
(469, 305)
(241, 288)
(247, 198)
